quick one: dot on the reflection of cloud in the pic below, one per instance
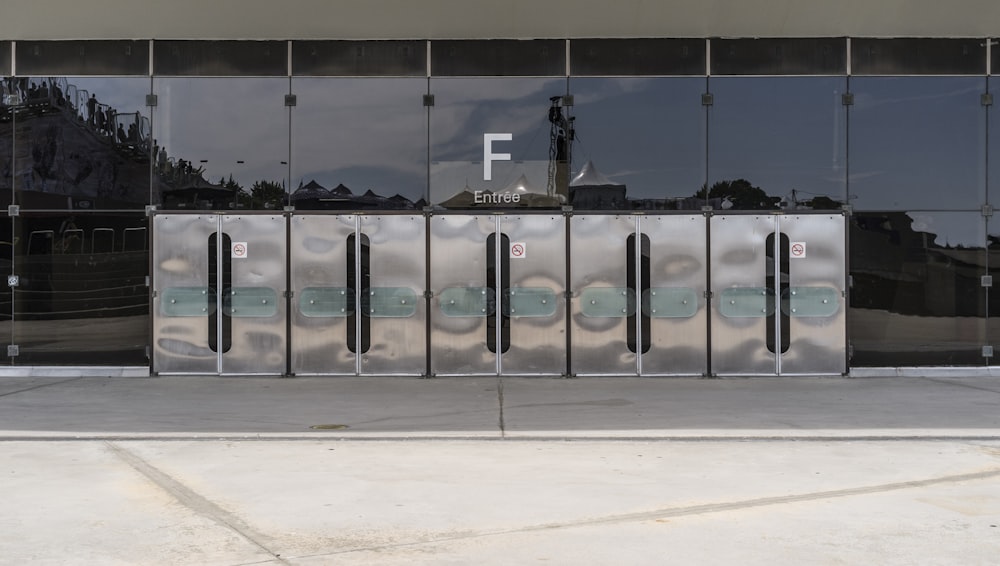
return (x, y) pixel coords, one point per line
(861, 176)
(868, 100)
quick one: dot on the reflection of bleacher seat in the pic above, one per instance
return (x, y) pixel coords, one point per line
(72, 241)
(134, 240)
(40, 242)
(102, 240)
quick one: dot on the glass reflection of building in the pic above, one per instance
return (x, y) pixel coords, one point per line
(899, 131)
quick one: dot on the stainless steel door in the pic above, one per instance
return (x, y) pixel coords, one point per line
(253, 299)
(184, 297)
(604, 327)
(531, 255)
(323, 300)
(813, 302)
(464, 297)
(218, 294)
(392, 329)
(778, 285)
(673, 308)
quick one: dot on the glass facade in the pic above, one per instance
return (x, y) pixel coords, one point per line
(900, 131)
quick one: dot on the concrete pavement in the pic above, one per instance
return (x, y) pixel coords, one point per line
(227, 471)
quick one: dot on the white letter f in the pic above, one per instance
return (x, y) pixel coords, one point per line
(489, 157)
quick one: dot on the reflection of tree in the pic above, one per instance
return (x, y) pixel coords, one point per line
(743, 195)
(264, 195)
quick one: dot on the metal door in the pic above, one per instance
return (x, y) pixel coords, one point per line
(358, 294)
(498, 294)
(638, 295)
(778, 287)
(219, 294)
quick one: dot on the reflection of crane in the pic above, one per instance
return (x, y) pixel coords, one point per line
(561, 136)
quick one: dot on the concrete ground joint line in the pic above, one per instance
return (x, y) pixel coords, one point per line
(960, 384)
(691, 510)
(192, 500)
(40, 386)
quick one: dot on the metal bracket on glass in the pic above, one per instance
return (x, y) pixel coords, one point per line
(746, 302)
(567, 100)
(150, 209)
(987, 351)
(669, 302)
(428, 100)
(13, 280)
(326, 302)
(847, 99)
(13, 210)
(467, 301)
(707, 99)
(986, 281)
(390, 302)
(986, 99)
(530, 302)
(987, 210)
(810, 302)
(291, 100)
(152, 100)
(257, 302)
(13, 350)
(607, 302)
(187, 301)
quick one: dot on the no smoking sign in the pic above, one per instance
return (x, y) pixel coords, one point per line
(797, 250)
(518, 250)
(239, 250)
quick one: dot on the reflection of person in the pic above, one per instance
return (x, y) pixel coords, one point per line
(69, 236)
(91, 108)
(121, 134)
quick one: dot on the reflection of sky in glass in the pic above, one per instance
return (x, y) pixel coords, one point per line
(466, 108)
(216, 122)
(368, 133)
(779, 133)
(994, 143)
(645, 133)
(917, 143)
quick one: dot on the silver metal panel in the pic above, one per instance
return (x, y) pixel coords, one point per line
(677, 261)
(458, 260)
(397, 260)
(598, 247)
(537, 343)
(258, 342)
(818, 335)
(318, 256)
(180, 266)
(738, 259)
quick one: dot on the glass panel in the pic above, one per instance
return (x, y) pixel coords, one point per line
(359, 58)
(359, 144)
(498, 57)
(508, 119)
(663, 164)
(607, 302)
(669, 302)
(467, 301)
(90, 57)
(916, 297)
(4, 58)
(256, 302)
(917, 143)
(782, 56)
(527, 302)
(596, 57)
(6, 267)
(746, 302)
(777, 143)
(74, 306)
(918, 56)
(187, 301)
(810, 302)
(82, 143)
(223, 143)
(316, 302)
(390, 302)
(221, 58)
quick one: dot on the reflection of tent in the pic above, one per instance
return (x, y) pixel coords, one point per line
(314, 196)
(310, 191)
(592, 190)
